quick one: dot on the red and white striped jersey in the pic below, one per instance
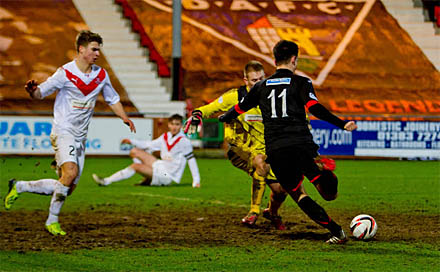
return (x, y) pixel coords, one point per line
(76, 97)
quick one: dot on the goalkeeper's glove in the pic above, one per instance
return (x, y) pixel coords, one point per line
(31, 87)
(325, 163)
(194, 123)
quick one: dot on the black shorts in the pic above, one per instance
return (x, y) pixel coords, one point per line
(291, 164)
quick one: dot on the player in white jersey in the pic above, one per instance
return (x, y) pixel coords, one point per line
(175, 151)
(78, 83)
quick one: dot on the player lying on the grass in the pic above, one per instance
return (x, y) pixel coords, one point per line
(79, 83)
(175, 151)
(246, 145)
(289, 144)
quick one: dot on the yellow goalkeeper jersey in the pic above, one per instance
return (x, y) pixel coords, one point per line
(247, 131)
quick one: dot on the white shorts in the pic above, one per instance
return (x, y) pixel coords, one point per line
(160, 174)
(67, 149)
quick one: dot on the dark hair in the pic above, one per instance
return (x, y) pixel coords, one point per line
(176, 117)
(85, 37)
(252, 66)
(284, 51)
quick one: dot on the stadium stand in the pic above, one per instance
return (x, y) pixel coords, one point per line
(133, 57)
(360, 59)
(35, 46)
(410, 16)
(162, 68)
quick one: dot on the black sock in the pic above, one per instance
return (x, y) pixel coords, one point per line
(318, 214)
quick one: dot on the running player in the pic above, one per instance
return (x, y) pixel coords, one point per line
(175, 151)
(289, 144)
(246, 145)
(79, 83)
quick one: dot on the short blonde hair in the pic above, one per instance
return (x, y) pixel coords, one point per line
(252, 66)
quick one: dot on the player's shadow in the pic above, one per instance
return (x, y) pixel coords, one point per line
(313, 236)
(296, 231)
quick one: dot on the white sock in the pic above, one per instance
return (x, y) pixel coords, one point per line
(57, 201)
(42, 186)
(120, 175)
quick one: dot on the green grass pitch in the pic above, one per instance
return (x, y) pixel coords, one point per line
(380, 188)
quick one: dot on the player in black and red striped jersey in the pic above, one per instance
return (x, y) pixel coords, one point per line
(290, 149)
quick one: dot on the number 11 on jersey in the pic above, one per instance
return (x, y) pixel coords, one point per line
(282, 95)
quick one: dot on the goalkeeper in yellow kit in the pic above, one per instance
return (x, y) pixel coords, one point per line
(246, 145)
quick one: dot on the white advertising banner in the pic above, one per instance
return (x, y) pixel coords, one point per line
(31, 134)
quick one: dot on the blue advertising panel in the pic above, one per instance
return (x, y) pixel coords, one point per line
(380, 138)
(31, 135)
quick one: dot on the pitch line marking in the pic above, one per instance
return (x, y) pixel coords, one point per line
(217, 202)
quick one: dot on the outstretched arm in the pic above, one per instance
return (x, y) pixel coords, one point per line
(119, 111)
(192, 163)
(223, 103)
(146, 145)
(32, 88)
(314, 107)
(53, 83)
(322, 113)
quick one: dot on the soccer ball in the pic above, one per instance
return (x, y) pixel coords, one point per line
(363, 227)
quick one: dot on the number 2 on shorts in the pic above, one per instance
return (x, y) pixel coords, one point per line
(72, 150)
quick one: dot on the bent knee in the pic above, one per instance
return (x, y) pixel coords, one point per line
(298, 195)
(327, 185)
(259, 160)
(277, 188)
(261, 166)
(328, 197)
(137, 166)
(134, 152)
(331, 197)
(69, 177)
(69, 173)
(70, 168)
